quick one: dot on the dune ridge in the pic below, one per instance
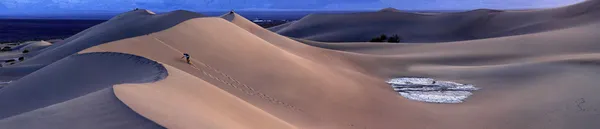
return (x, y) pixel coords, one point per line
(443, 27)
(260, 79)
(134, 23)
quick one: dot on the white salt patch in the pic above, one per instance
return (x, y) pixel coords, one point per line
(431, 90)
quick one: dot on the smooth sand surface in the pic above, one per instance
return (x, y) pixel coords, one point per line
(80, 75)
(76, 92)
(243, 76)
(183, 101)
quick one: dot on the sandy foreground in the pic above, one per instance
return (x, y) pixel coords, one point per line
(185, 101)
(244, 76)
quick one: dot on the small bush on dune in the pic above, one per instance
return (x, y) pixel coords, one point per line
(385, 38)
(394, 39)
(377, 39)
(25, 51)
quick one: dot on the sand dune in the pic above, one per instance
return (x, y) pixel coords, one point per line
(18, 50)
(98, 110)
(126, 25)
(32, 46)
(283, 97)
(198, 104)
(80, 75)
(419, 28)
(279, 27)
(244, 76)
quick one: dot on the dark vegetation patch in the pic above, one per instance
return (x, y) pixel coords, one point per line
(385, 38)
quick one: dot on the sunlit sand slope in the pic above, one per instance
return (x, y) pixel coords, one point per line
(185, 101)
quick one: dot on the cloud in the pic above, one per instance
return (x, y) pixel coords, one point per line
(18, 3)
(68, 3)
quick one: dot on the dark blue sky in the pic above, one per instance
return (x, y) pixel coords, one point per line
(49, 6)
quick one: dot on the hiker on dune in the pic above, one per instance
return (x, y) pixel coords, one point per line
(187, 57)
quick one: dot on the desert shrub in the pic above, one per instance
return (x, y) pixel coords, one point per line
(21, 58)
(381, 38)
(25, 51)
(394, 39)
(385, 38)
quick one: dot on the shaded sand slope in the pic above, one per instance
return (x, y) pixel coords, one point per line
(291, 87)
(279, 27)
(9, 72)
(32, 46)
(540, 80)
(412, 27)
(14, 73)
(36, 46)
(79, 75)
(184, 101)
(98, 110)
(17, 51)
(126, 25)
(582, 39)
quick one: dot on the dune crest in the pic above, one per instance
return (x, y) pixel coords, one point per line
(543, 76)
